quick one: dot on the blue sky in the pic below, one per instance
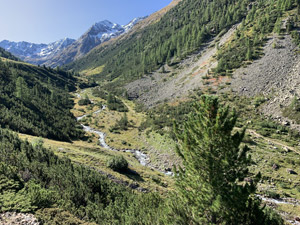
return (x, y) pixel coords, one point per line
(45, 21)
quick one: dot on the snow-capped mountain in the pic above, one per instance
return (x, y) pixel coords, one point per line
(97, 34)
(100, 32)
(67, 50)
(104, 30)
(133, 22)
(36, 53)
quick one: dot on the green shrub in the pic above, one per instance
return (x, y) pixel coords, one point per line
(117, 163)
(247, 139)
(53, 216)
(84, 102)
(272, 194)
(15, 201)
(97, 92)
(293, 110)
(121, 124)
(113, 103)
(283, 185)
(258, 101)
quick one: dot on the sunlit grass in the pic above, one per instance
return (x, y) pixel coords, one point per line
(90, 72)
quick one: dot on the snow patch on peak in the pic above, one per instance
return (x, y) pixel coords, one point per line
(103, 31)
(105, 25)
(133, 22)
(55, 47)
(48, 53)
(29, 50)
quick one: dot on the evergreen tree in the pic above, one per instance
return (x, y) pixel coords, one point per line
(20, 87)
(277, 27)
(86, 97)
(249, 54)
(110, 99)
(124, 122)
(211, 187)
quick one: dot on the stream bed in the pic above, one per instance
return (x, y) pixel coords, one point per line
(140, 156)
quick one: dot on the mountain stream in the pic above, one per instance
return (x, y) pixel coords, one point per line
(140, 156)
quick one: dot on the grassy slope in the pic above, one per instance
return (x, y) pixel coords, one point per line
(266, 150)
(92, 155)
(269, 143)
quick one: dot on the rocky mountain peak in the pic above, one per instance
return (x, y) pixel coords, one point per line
(104, 27)
(66, 50)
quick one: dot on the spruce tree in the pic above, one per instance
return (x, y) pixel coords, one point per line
(210, 188)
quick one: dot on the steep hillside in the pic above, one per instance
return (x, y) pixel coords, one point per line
(7, 55)
(180, 32)
(153, 18)
(189, 76)
(275, 76)
(267, 67)
(210, 69)
(141, 23)
(34, 180)
(35, 100)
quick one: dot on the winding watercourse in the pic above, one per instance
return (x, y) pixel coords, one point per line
(140, 156)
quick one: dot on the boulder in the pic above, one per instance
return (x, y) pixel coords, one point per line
(290, 171)
(285, 123)
(275, 166)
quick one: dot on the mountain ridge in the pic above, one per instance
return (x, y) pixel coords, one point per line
(99, 33)
(35, 100)
(66, 50)
(35, 53)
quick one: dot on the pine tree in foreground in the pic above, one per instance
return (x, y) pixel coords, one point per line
(211, 187)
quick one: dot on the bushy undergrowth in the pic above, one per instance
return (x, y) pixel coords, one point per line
(117, 163)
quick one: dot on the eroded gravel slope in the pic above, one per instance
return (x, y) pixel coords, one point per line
(179, 82)
(276, 76)
(270, 73)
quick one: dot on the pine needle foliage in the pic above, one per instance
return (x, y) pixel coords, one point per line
(210, 188)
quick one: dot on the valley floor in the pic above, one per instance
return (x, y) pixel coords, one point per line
(274, 155)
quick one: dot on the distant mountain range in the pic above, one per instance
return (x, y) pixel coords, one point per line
(36, 53)
(67, 50)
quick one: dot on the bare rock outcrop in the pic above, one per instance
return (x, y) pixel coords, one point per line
(13, 218)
